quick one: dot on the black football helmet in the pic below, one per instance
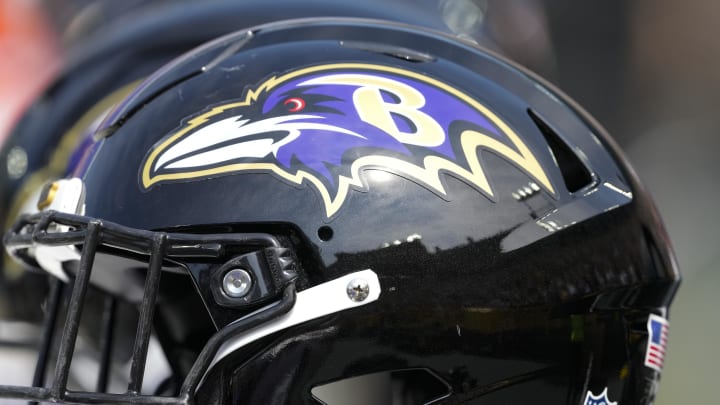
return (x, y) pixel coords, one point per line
(348, 211)
(104, 65)
(122, 45)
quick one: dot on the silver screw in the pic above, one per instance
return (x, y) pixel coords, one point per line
(237, 283)
(358, 289)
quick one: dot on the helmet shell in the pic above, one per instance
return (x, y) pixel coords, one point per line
(544, 276)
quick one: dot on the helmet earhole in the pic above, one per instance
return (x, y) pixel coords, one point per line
(325, 233)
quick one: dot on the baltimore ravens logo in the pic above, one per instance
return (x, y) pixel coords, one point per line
(324, 125)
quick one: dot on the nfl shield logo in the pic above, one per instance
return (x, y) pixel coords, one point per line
(601, 399)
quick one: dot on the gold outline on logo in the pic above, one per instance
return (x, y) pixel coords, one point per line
(429, 174)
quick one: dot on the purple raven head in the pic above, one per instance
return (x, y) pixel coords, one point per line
(325, 124)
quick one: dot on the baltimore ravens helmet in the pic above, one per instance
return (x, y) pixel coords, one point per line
(101, 68)
(348, 211)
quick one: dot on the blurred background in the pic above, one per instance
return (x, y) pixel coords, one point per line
(649, 70)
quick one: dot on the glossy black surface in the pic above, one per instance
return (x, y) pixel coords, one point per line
(530, 299)
(132, 48)
(103, 66)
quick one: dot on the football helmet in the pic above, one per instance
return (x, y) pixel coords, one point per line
(102, 67)
(350, 211)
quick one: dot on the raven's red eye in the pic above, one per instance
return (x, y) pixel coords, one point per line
(294, 104)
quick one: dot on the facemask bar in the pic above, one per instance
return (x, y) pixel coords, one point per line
(60, 229)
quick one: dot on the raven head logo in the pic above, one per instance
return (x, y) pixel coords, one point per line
(324, 124)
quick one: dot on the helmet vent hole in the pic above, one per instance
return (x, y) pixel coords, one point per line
(325, 233)
(574, 172)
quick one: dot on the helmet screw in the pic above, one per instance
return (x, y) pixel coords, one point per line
(237, 283)
(358, 289)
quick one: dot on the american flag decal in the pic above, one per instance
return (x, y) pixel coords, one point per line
(657, 341)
